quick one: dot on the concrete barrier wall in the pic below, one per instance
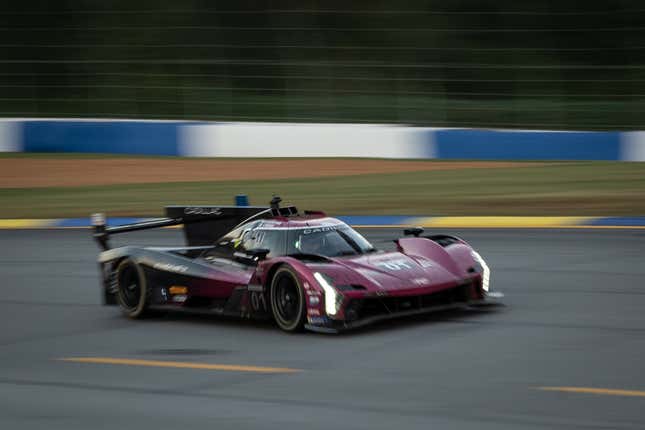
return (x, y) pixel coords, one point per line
(10, 139)
(305, 140)
(113, 137)
(633, 146)
(212, 139)
(522, 145)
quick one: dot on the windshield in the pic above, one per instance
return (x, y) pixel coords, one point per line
(330, 241)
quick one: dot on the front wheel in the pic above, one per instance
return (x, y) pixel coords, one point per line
(132, 291)
(288, 300)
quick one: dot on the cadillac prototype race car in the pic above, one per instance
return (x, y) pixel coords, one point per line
(304, 270)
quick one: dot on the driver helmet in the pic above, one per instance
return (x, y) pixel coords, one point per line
(312, 243)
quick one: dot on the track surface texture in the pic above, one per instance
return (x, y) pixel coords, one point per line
(573, 317)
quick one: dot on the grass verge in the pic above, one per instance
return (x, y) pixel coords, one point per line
(582, 188)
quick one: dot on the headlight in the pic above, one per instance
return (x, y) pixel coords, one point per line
(332, 298)
(485, 270)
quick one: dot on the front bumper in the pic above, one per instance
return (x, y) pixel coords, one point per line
(326, 325)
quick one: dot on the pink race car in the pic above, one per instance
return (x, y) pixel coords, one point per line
(302, 270)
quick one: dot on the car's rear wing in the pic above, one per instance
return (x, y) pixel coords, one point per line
(203, 225)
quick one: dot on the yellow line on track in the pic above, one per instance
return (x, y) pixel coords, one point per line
(600, 391)
(624, 227)
(503, 221)
(179, 364)
(25, 223)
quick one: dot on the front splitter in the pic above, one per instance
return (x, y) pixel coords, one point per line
(339, 326)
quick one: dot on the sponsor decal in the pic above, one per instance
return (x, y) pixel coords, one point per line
(321, 229)
(426, 263)
(196, 210)
(258, 302)
(177, 289)
(314, 300)
(313, 312)
(170, 267)
(330, 227)
(180, 298)
(259, 237)
(379, 293)
(394, 265)
(313, 320)
(420, 281)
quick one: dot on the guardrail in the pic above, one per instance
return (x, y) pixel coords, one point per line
(214, 139)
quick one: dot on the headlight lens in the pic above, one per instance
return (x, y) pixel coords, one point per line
(485, 270)
(332, 298)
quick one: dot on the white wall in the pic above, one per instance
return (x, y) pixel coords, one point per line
(303, 140)
(10, 136)
(632, 146)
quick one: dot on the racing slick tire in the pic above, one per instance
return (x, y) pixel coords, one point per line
(132, 289)
(288, 300)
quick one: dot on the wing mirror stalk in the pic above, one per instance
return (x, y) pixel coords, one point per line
(253, 255)
(413, 231)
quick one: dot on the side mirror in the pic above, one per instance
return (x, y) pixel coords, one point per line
(258, 253)
(253, 255)
(413, 231)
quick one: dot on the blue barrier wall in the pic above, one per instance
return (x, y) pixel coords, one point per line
(115, 137)
(526, 145)
(212, 139)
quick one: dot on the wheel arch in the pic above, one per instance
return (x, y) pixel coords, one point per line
(270, 274)
(301, 270)
(109, 279)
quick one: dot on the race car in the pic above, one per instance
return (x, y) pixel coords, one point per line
(303, 270)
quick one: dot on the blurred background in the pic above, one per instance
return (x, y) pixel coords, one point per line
(470, 63)
(489, 92)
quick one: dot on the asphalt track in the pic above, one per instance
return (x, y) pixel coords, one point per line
(574, 317)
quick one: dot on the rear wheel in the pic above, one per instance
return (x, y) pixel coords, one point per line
(288, 300)
(132, 291)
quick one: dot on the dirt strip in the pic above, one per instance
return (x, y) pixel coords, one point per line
(62, 172)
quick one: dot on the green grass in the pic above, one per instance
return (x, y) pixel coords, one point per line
(582, 188)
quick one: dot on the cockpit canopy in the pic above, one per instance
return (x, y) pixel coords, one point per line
(330, 241)
(327, 237)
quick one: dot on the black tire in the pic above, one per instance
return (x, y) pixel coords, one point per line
(132, 289)
(288, 300)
